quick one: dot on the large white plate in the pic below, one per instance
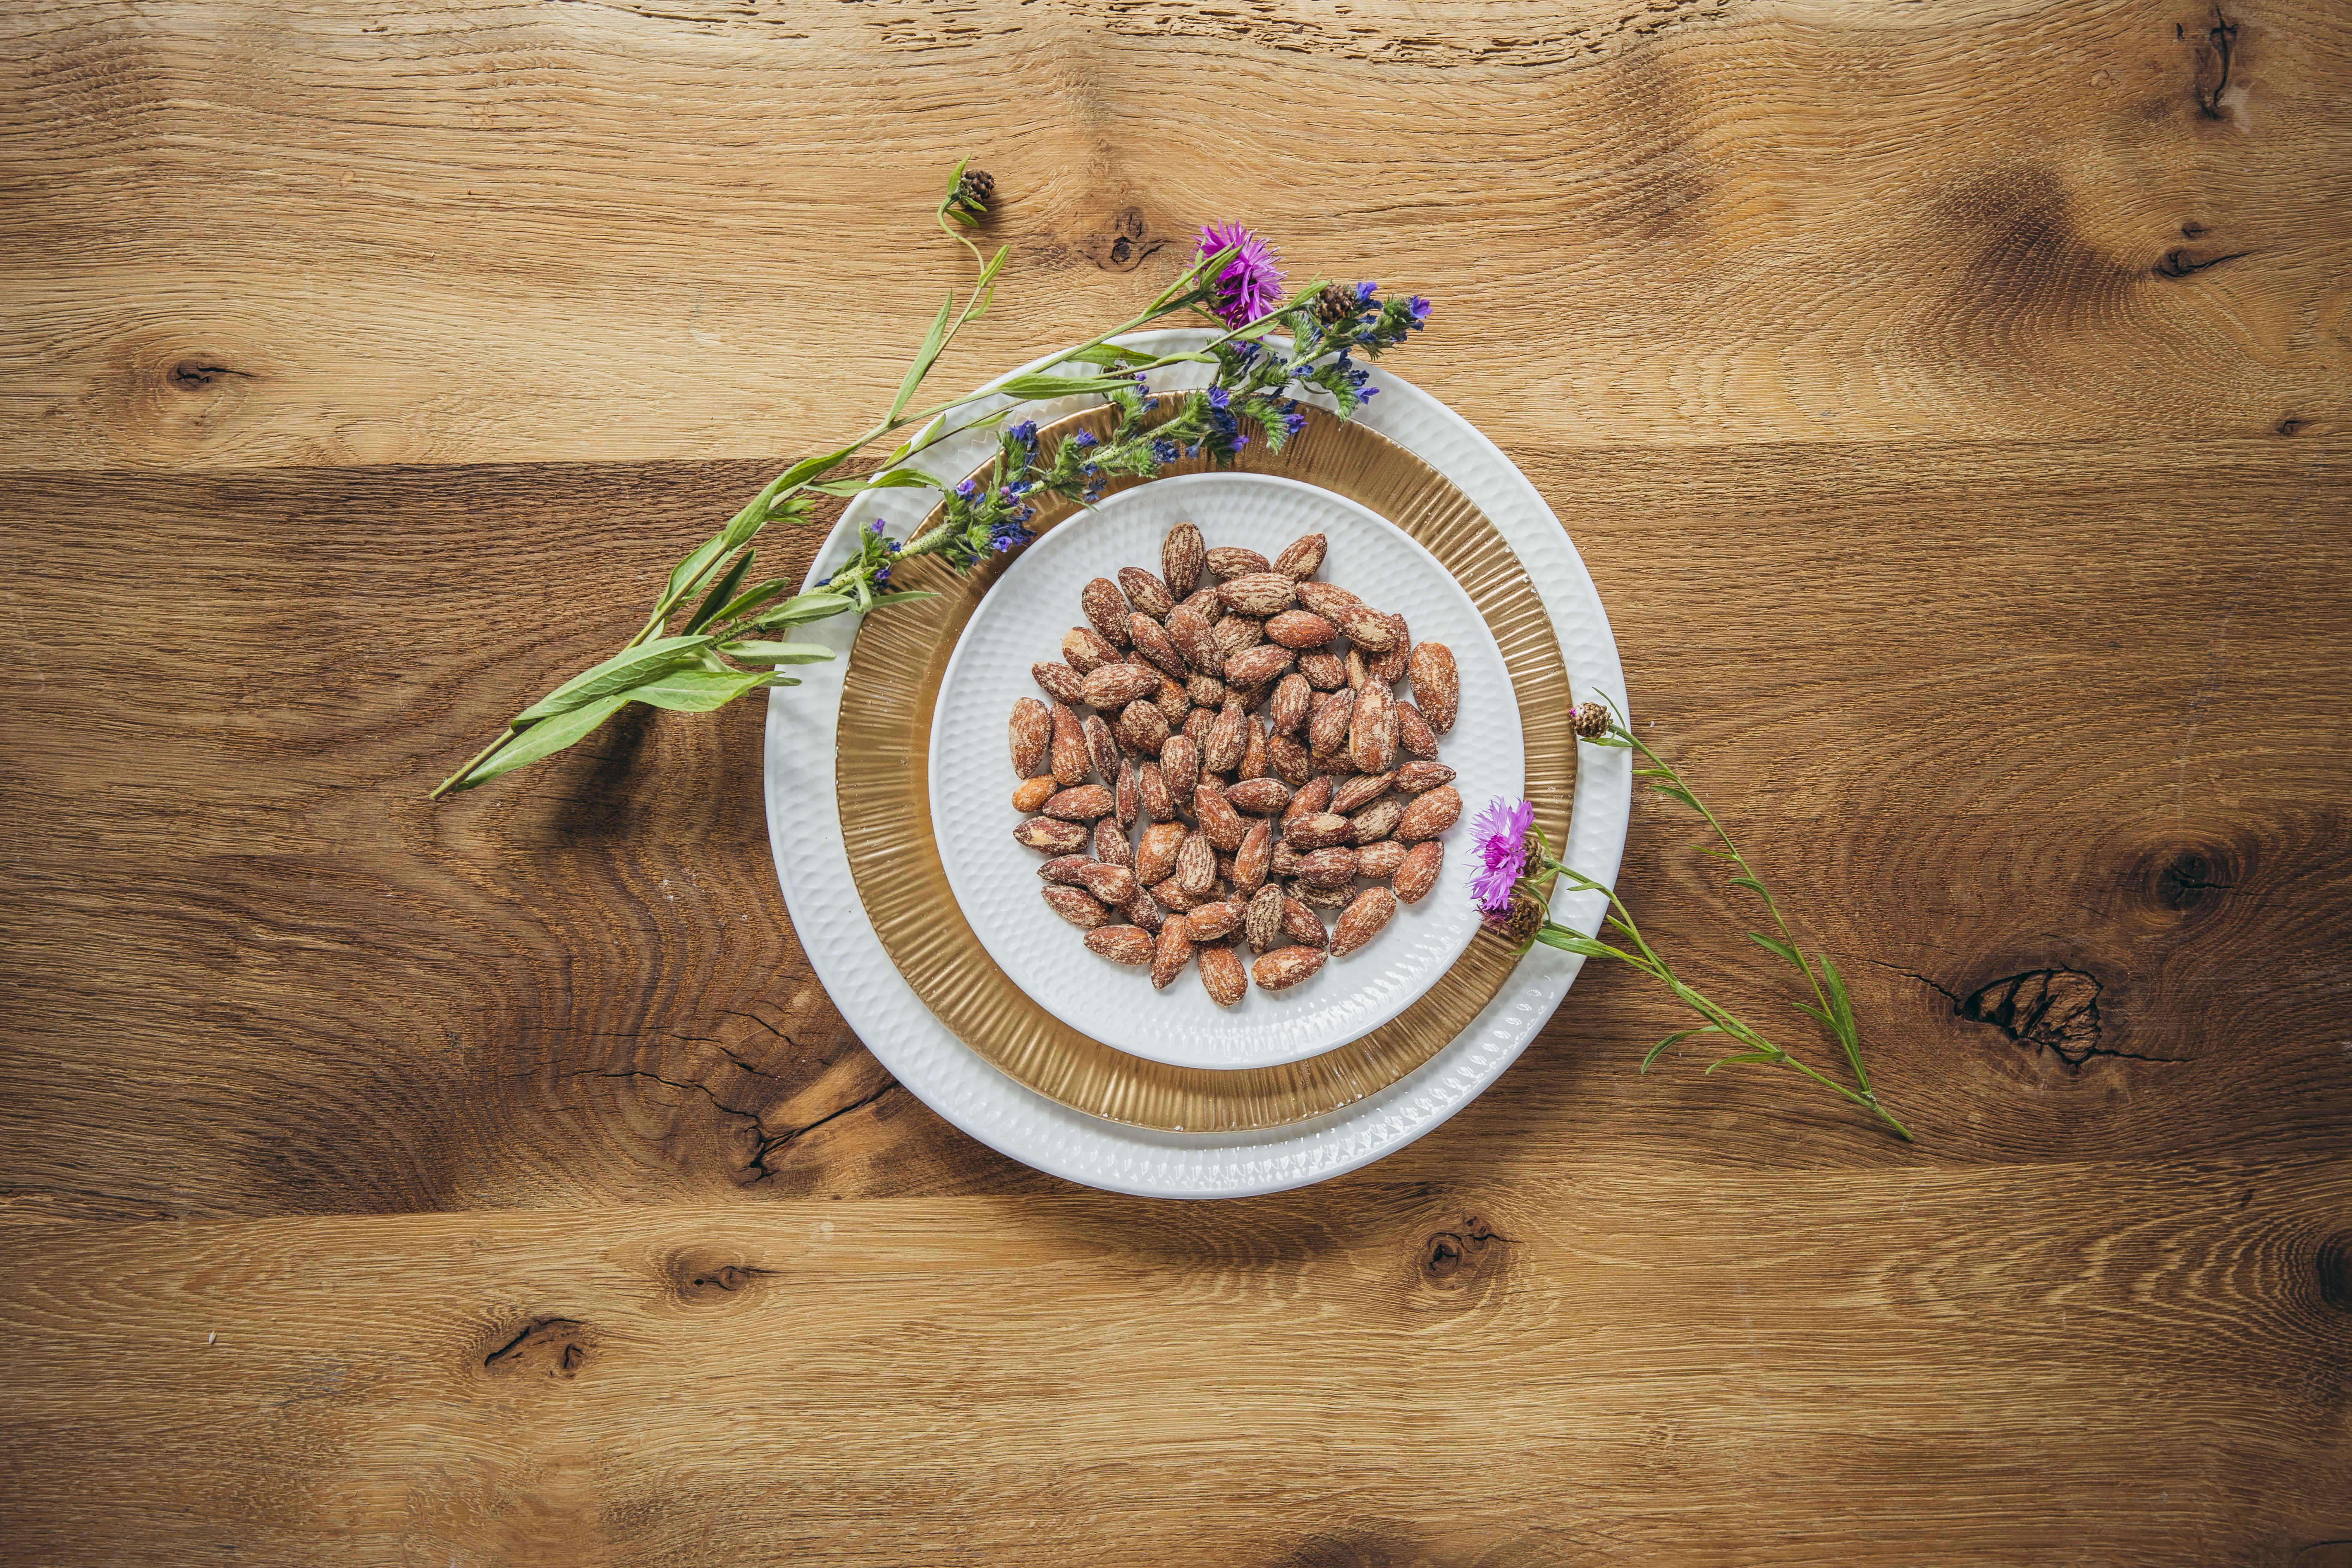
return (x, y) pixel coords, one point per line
(813, 865)
(994, 879)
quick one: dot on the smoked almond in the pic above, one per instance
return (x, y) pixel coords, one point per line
(1196, 865)
(1250, 861)
(1302, 557)
(1236, 634)
(1062, 683)
(1114, 686)
(1390, 667)
(1416, 776)
(1064, 869)
(1380, 860)
(1147, 593)
(1414, 735)
(1112, 845)
(1418, 875)
(1151, 791)
(1364, 627)
(1376, 821)
(1362, 921)
(1372, 729)
(1258, 797)
(1173, 950)
(1143, 909)
(1361, 792)
(1155, 857)
(1262, 921)
(1430, 815)
(1214, 922)
(1205, 691)
(1326, 599)
(1286, 967)
(1069, 760)
(1227, 562)
(1126, 801)
(1314, 795)
(1222, 974)
(1033, 794)
(1256, 665)
(1114, 885)
(1324, 671)
(1219, 820)
(1293, 702)
(1321, 831)
(1086, 650)
(1301, 630)
(1258, 595)
(1327, 729)
(1196, 639)
(1031, 734)
(1437, 684)
(1180, 764)
(1143, 729)
(1302, 924)
(1228, 740)
(1081, 803)
(1077, 906)
(1102, 745)
(1050, 836)
(1333, 867)
(1182, 556)
(1152, 641)
(1121, 944)
(1288, 760)
(1106, 607)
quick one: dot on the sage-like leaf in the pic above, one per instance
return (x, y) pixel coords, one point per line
(751, 599)
(803, 609)
(696, 690)
(721, 592)
(776, 652)
(544, 739)
(1038, 387)
(617, 673)
(934, 341)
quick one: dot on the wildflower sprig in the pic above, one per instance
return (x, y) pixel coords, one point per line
(1520, 865)
(725, 646)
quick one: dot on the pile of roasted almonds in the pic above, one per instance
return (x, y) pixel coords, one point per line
(1252, 825)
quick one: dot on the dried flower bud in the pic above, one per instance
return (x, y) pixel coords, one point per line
(1592, 719)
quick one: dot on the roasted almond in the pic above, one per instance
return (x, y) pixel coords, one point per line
(1333, 867)
(1284, 861)
(1258, 595)
(1390, 667)
(1418, 875)
(1169, 894)
(1151, 792)
(1205, 691)
(1376, 821)
(1221, 973)
(1064, 869)
(1203, 602)
(1324, 671)
(1182, 556)
(1196, 641)
(1062, 683)
(1052, 838)
(1380, 860)
(1254, 752)
(1147, 593)
(1112, 884)
(1196, 865)
(1254, 667)
(1259, 797)
(1286, 967)
(1302, 924)
(1154, 643)
(1114, 686)
(1214, 922)
(1363, 626)
(1219, 820)
(1327, 729)
(1227, 562)
(1086, 650)
(1251, 859)
(1414, 735)
(1081, 803)
(1102, 745)
(1173, 702)
(1326, 599)
(1430, 815)
(1262, 921)
(1321, 831)
(1106, 607)
(1144, 909)
(1302, 557)
(1121, 944)
(1288, 760)
(1126, 803)
(1112, 845)
(1237, 634)
(1180, 764)
(1142, 728)
(1372, 729)
(1293, 700)
(1069, 757)
(1199, 722)
(1033, 794)
(1361, 792)
(1077, 906)
(1155, 859)
(1362, 921)
(1228, 740)
(1416, 776)
(1173, 950)
(1437, 684)
(1313, 796)
(1301, 630)
(1335, 763)
(1030, 732)
(1315, 896)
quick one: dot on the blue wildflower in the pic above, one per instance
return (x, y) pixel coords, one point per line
(1219, 398)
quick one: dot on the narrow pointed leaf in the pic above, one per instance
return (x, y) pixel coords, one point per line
(1673, 1039)
(933, 342)
(687, 573)
(1734, 1061)
(776, 652)
(1031, 387)
(721, 592)
(750, 599)
(1777, 949)
(696, 690)
(804, 609)
(546, 738)
(615, 674)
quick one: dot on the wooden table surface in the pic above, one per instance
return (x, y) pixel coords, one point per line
(1952, 404)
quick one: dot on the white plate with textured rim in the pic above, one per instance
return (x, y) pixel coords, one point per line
(812, 864)
(995, 880)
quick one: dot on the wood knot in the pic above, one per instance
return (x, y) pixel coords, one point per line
(551, 1347)
(2334, 1266)
(1450, 1260)
(195, 374)
(2189, 878)
(720, 1283)
(1126, 243)
(2047, 1009)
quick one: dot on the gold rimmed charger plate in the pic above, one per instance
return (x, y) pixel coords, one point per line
(882, 775)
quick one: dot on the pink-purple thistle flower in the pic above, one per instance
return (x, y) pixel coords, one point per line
(1502, 840)
(1251, 285)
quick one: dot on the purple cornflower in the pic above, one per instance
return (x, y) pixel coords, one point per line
(1251, 284)
(1502, 834)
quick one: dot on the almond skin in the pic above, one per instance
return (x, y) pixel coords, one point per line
(1196, 865)
(1288, 760)
(1086, 650)
(1174, 897)
(1416, 776)
(1112, 845)
(1361, 792)
(1250, 861)
(1258, 797)
(1126, 799)
(1156, 645)
(1106, 606)
(1302, 557)
(1219, 821)
(1121, 944)
(1151, 792)
(1314, 896)
(1362, 921)
(1372, 729)
(1147, 593)
(1069, 756)
(1324, 671)
(1143, 729)
(1301, 630)
(1144, 909)
(1326, 599)
(1363, 626)
(1390, 667)
(1043, 832)
(1077, 906)
(1180, 764)
(1359, 671)
(1030, 733)
(1327, 730)
(1414, 735)
(1114, 686)
(1431, 815)
(1313, 796)
(1196, 641)
(1228, 562)
(1113, 885)
(1205, 691)
(1418, 875)
(1380, 860)
(1174, 949)
(1262, 923)
(1376, 821)
(1222, 974)
(1293, 701)
(1173, 702)
(1062, 683)
(1203, 602)
(1437, 684)
(1258, 595)
(1064, 869)
(1284, 861)
(1302, 924)
(1214, 922)
(1183, 555)
(1102, 745)
(1286, 967)
(1235, 634)
(1321, 831)
(1155, 859)
(1199, 722)
(1254, 752)
(1228, 740)
(1081, 803)
(1033, 793)
(1333, 867)
(1256, 665)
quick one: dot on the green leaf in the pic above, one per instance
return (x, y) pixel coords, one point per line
(1105, 356)
(721, 592)
(617, 673)
(1030, 386)
(776, 652)
(751, 599)
(887, 479)
(1675, 1040)
(799, 474)
(1840, 1003)
(903, 596)
(1734, 1061)
(933, 342)
(1719, 853)
(1755, 887)
(546, 738)
(1778, 949)
(804, 608)
(1615, 742)
(683, 576)
(696, 690)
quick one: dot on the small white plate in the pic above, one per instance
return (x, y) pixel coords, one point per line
(994, 879)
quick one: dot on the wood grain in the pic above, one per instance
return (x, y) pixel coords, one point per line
(1951, 404)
